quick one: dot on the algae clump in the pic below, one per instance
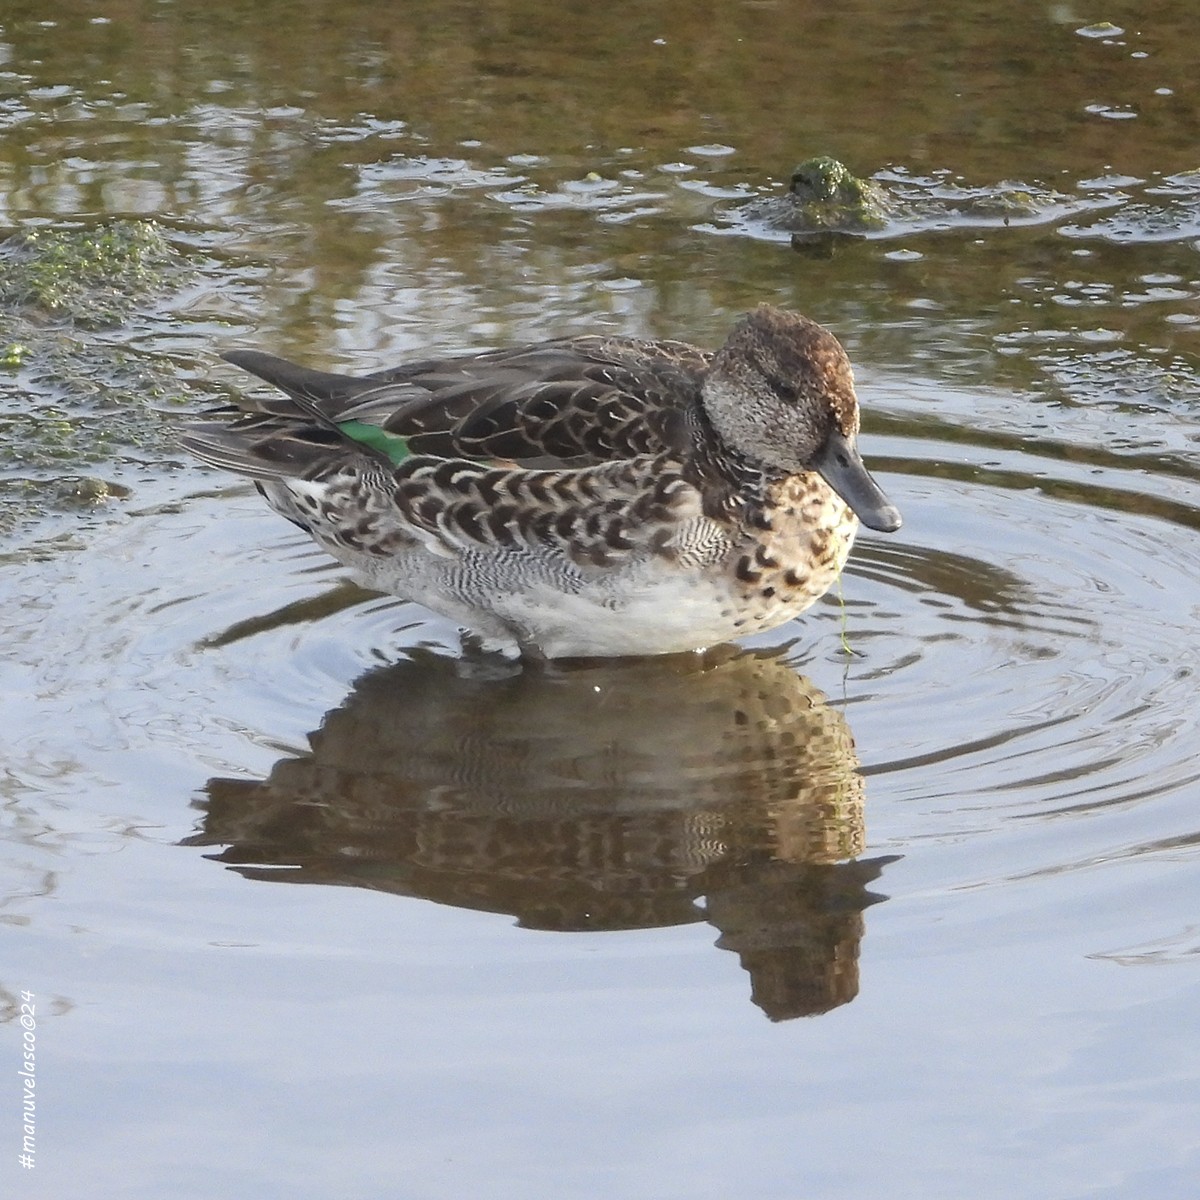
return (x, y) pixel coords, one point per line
(93, 277)
(75, 396)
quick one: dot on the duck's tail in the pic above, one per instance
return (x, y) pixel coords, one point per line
(295, 434)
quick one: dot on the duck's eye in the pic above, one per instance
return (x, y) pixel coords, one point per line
(788, 392)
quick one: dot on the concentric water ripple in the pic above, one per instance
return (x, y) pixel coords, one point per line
(1031, 648)
(1023, 650)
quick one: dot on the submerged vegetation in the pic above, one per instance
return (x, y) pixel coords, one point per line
(95, 276)
(73, 396)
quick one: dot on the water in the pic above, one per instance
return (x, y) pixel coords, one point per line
(783, 922)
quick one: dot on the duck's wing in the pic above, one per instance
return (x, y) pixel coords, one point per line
(569, 403)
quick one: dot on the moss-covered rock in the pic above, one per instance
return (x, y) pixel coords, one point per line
(825, 200)
(823, 196)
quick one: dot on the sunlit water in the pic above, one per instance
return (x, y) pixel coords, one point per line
(900, 899)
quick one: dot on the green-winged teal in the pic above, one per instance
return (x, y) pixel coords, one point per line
(589, 496)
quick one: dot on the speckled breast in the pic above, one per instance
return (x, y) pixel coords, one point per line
(797, 554)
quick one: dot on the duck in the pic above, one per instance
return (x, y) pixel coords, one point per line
(595, 496)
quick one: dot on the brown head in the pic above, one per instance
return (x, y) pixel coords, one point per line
(781, 392)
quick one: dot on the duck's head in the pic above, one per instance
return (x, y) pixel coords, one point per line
(780, 392)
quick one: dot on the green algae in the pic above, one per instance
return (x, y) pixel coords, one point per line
(824, 197)
(826, 201)
(93, 276)
(827, 196)
(76, 402)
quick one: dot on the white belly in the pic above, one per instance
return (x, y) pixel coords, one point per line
(538, 601)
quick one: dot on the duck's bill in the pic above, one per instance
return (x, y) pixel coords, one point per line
(841, 466)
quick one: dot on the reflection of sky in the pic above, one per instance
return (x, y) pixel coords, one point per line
(262, 1036)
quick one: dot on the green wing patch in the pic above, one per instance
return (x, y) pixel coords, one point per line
(391, 445)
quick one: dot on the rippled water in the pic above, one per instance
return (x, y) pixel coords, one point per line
(869, 904)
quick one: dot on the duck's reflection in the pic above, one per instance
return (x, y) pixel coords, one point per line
(612, 795)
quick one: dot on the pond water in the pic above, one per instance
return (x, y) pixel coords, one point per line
(919, 920)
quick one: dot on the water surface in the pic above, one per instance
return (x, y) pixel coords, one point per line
(780, 921)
